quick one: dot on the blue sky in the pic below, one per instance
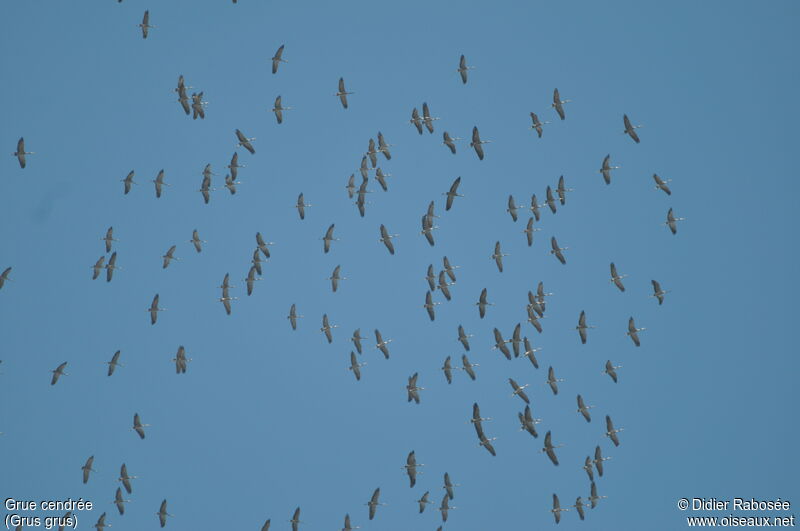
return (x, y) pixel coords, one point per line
(267, 419)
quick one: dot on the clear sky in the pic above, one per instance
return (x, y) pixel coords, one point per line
(267, 419)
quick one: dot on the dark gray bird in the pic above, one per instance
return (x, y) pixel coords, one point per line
(468, 367)
(277, 59)
(356, 339)
(516, 339)
(518, 390)
(154, 309)
(245, 142)
(430, 305)
(557, 251)
(662, 184)
(426, 117)
(527, 422)
(452, 193)
(205, 186)
(551, 200)
(583, 409)
(558, 104)
(373, 503)
(347, 525)
(382, 344)
(327, 327)
(230, 184)
(119, 501)
(96, 268)
(125, 478)
(672, 222)
(658, 293)
(114, 363)
(606, 168)
(138, 427)
(336, 277)
(295, 521)
(530, 352)
(386, 238)
(145, 25)
(413, 389)
(535, 207)
(579, 505)
(562, 191)
(549, 449)
(355, 366)
(611, 433)
(634, 332)
(477, 143)
(342, 93)
(497, 256)
(594, 498)
(448, 370)
(616, 278)
(428, 228)
(500, 344)
(351, 186)
(87, 468)
(512, 207)
(383, 147)
(463, 337)
(449, 269)
(533, 319)
(552, 381)
(537, 124)
(529, 230)
(557, 510)
(411, 468)
(58, 372)
(463, 69)
(20, 152)
(234, 165)
(444, 286)
(111, 266)
(278, 109)
(293, 317)
(169, 257)
(109, 238)
(198, 106)
(128, 180)
(611, 370)
(449, 141)
(183, 99)
(587, 466)
(444, 508)
(181, 360)
(162, 513)
(256, 260)
(431, 278)
(381, 178)
(159, 182)
(583, 327)
(416, 120)
(598, 460)
(630, 129)
(482, 303)
(328, 238)
(301, 206)
(100, 524)
(423, 501)
(198, 243)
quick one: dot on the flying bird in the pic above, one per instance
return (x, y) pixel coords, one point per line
(97, 267)
(448, 371)
(610, 369)
(551, 200)
(154, 309)
(327, 327)
(482, 303)
(449, 141)
(162, 513)
(119, 501)
(293, 317)
(469, 367)
(672, 222)
(328, 238)
(661, 184)
(498, 256)
(630, 129)
(658, 293)
(295, 521)
(245, 142)
(169, 257)
(512, 207)
(443, 285)
(477, 143)
(463, 337)
(381, 178)
(516, 339)
(535, 207)
(159, 182)
(20, 152)
(198, 106)
(373, 503)
(583, 327)
(527, 422)
(342, 93)
(58, 372)
(336, 277)
(128, 180)
(549, 449)
(594, 498)
(562, 190)
(413, 389)
(114, 363)
(518, 390)
(383, 147)
(382, 344)
(386, 238)
(583, 409)
(234, 165)
(301, 206)
(449, 269)
(277, 59)
(411, 467)
(196, 241)
(87, 468)
(181, 360)
(125, 478)
(138, 427)
(278, 109)
(557, 510)
(230, 184)
(428, 228)
(530, 352)
(426, 117)
(100, 524)
(552, 381)
(145, 25)
(463, 69)
(445, 507)
(633, 332)
(606, 168)
(556, 250)
(356, 339)
(416, 120)
(529, 230)
(617, 278)
(500, 344)
(355, 366)
(537, 124)
(558, 104)
(611, 433)
(430, 305)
